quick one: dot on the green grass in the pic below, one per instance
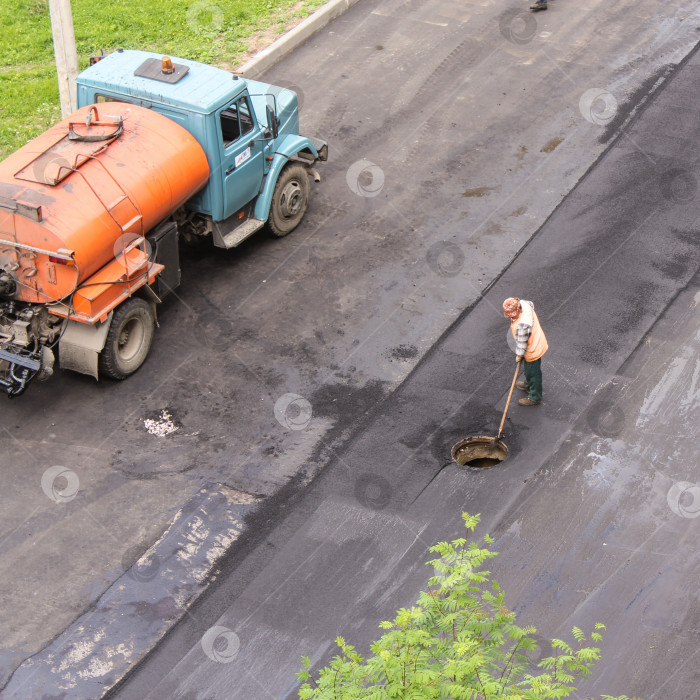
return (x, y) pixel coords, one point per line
(211, 31)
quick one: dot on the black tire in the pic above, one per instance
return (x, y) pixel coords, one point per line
(129, 339)
(289, 200)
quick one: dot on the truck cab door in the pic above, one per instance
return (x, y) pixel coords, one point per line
(242, 154)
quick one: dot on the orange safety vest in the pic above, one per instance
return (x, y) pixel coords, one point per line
(537, 343)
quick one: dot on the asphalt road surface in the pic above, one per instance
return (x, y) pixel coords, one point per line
(455, 131)
(594, 511)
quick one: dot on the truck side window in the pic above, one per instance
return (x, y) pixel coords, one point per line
(246, 118)
(236, 121)
(229, 125)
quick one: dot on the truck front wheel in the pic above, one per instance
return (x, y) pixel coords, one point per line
(289, 200)
(128, 340)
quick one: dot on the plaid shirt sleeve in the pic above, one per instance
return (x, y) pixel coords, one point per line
(522, 335)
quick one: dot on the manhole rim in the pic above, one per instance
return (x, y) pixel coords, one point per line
(476, 441)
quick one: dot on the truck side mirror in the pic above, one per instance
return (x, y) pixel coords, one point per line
(272, 123)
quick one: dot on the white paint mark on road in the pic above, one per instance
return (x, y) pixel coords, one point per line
(669, 392)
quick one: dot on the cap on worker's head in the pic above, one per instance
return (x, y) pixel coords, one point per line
(511, 307)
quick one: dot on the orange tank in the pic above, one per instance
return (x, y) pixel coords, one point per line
(70, 198)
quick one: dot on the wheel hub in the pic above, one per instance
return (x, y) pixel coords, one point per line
(130, 339)
(291, 199)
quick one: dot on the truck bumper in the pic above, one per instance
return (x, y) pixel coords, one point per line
(19, 367)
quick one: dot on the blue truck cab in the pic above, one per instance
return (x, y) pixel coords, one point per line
(259, 163)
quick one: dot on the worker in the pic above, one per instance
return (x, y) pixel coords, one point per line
(530, 345)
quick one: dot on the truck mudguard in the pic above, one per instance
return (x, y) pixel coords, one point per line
(81, 344)
(288, 147)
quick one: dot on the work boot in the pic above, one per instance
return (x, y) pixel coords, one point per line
(528, 402)
(522, 385)
(539, 6)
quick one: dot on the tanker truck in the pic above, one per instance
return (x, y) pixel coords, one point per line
(92, 210)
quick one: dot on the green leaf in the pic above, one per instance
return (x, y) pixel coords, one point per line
(460, 640)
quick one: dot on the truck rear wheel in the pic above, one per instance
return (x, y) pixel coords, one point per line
(129, 339)
(289, 200)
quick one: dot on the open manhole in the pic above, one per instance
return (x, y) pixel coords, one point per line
(481, 452)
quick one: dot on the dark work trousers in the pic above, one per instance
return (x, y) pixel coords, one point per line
(533, 379)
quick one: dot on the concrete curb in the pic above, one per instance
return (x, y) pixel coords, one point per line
(100, 648)
(297, 36)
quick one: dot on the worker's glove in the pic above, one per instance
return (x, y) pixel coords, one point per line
(519, 359)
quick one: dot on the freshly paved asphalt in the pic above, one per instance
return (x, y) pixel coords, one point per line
(593, 511)
(455, 130)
